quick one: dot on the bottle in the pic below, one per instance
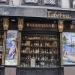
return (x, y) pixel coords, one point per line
(33, 62)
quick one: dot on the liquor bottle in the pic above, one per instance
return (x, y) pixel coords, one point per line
(41, 44)
(53, 26)
(27, 25)
(54, 51)
(49, 25)
(33, 62)
(52, 61)
(37, 50)
(50, 52)
(54, 44)
(72, 27)
(38, 58)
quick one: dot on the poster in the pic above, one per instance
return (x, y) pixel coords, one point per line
(68, 48)
(11, 47)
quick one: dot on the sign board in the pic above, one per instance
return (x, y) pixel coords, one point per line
(59, 14)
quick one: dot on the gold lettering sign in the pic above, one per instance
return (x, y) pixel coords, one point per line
(59, 14)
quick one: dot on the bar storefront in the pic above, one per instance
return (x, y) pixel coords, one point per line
(38, 46)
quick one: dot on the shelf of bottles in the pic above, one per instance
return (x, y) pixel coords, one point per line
(40, 45)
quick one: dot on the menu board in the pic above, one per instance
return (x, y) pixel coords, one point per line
(68, 48)
(11, 47)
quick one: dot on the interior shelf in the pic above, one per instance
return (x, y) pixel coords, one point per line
(40, 45)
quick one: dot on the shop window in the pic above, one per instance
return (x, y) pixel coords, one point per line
(31, 1)
(72, 3)
(15, 2)
(4, 1)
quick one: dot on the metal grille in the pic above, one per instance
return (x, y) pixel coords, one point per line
(53, 2)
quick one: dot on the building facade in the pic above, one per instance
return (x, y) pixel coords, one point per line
(33, 37)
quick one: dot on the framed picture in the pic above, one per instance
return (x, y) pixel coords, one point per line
(68, 48)
(11, 57)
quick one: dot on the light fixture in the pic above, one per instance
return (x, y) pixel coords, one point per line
(60, 26)
(5, 23)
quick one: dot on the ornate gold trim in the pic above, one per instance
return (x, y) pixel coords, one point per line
(20, 24)
(3, 54)
(60, 26)
(5, 23)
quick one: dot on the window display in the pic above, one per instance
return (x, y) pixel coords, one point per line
(68, 48)
(31, 1)
(3, 0)
(65, 3)
(15, 2)
(40, 45)
(73, 3)
(11, 48)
